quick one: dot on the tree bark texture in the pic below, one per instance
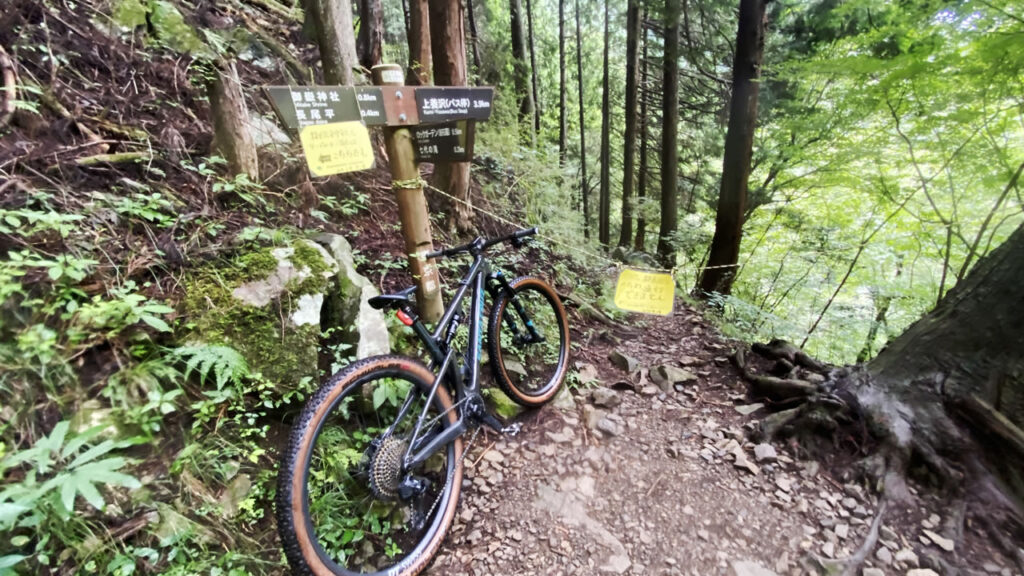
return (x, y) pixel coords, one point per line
(641, 188)
(973, 341)
(630, 136)
(521, 74)
(448, 45)
(669, 132)
(604, 205)
(334, 31)
(371, 33)
(474, 36)
(533, 68)
(563, 142)
(420, 58)
(739, 141)
(232, 138)
(584, 184)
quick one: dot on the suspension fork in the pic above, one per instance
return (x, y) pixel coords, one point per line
(497, 283)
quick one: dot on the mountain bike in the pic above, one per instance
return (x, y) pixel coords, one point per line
(371, 478)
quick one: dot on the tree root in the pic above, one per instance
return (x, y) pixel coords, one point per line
(854, 563)
(8, 85)
(772, 387)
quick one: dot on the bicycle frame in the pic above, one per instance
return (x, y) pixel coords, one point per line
(463, 379)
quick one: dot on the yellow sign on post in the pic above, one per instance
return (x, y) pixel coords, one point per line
(337, 147)
(645, 292)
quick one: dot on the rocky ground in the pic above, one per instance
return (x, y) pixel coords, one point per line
(646, 470)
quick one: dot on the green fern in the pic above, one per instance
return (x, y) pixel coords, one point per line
(224, 362)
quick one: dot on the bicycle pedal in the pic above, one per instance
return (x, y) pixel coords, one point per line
(512, 429)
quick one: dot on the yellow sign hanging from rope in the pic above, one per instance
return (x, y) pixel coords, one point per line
(645, 292)
(337, 147)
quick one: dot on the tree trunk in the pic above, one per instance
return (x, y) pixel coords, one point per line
(584, 185)
(420, 59)
(670, 121)
(630, 137)
(739, 141)
(533, 68)
(520, 74)
(448, 45)
(604, 200)
(232, 138)
(972, 342)
(882, 303)
(333, 23)
(563, 142)
(371, 33)
(474, 37)
(641, 189)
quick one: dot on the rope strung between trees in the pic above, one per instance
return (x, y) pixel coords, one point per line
(422, 183)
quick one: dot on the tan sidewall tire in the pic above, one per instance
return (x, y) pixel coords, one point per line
(320, 405)
(494, 343)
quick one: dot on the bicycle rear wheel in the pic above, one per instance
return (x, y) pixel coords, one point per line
(339, 507)
(528, 341)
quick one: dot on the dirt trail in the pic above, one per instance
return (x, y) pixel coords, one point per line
(656, 482)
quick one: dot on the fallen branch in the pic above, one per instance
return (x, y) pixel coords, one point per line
(588, 309)
(119, 158)
(293, 14)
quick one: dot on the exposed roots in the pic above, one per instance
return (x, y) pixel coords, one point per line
(853, 563)
(907, 424)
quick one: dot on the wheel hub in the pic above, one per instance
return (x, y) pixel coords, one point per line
(386, 466)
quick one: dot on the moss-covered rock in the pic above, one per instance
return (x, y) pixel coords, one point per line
(273, 304)
(266, 304)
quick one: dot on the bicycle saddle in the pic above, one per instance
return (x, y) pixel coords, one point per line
(396, 300)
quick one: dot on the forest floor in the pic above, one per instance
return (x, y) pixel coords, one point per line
(628, 479)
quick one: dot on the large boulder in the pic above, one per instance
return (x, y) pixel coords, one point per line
(272, 304)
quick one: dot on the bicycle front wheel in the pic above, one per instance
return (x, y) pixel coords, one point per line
(345, 505)
(528, 341)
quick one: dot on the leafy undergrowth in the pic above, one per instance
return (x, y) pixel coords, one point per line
(125, 448)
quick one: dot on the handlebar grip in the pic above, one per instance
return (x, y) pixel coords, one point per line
(524, 233)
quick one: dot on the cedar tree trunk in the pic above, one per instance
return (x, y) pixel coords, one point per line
(604, 204)
(739, 141)
(448, 45)
(231, 121)
(630, 137)
(419, 71)
(333, 23)
(371, 33)
(669, 131)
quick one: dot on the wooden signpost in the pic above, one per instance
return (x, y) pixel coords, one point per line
(421, 123)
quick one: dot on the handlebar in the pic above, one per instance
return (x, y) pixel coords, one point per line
(479, 244)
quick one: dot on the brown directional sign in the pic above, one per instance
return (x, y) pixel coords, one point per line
(301, 106)
(451, 141)
(371, 105)
(446, 104)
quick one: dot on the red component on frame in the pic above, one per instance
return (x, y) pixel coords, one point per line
(405, 318)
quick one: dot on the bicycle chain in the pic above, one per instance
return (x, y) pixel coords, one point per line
(451, 475)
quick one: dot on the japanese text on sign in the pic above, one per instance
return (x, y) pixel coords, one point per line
(443, 104)
(336, 148)
(645, 292)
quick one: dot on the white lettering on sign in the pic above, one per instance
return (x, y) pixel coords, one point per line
(391, 76)
(366, 97)
(481, 104)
